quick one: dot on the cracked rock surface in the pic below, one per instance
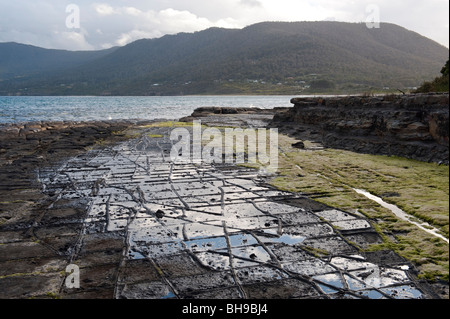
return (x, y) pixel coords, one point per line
(140, 226)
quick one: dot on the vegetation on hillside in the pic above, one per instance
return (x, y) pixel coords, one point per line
(265, 58)
(439, 84)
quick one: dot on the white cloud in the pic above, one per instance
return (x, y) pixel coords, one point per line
(132, 11)
(182, 20)
(251, 3)
(134, 35)
(137, 24)
(72, 40)
(104, 9)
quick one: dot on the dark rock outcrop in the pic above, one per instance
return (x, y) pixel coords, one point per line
(233, 116)
(413, 126)
(208, 111)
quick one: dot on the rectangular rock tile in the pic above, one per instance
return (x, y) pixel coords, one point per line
(286, 253)
(29, 286)
(334, 215)
(300, 217)
(276, 208)
(205, 244)
(220, 293)
(259, 274)
(281, 289)
(20, 250)
(97, 258)
(97, 276)
(181, 265)
(33, 266)
(145, 290)
(331, 245)
(162, 249)
(309, 230)
(308, 267)
(210, 280)
(102, 242)
(214, 260)
(356, 224)
(134, 271)
(254, 253)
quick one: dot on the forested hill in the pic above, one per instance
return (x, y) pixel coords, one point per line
(20, 60)
(269, 57)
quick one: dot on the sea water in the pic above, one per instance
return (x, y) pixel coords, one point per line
(15, 109)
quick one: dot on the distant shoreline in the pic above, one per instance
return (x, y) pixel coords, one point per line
(317, 94)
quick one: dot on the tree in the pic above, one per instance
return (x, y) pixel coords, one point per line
(444, 70)
(439, 84)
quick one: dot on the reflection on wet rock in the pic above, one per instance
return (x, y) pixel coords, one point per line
(233, 233)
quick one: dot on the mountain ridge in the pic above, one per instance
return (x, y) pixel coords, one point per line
(17, 59)
(267, 57)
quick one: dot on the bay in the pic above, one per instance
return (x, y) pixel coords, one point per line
(15, 109)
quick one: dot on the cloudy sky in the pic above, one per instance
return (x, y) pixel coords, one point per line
(89, 25)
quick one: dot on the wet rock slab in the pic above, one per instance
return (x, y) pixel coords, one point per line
(139, 226)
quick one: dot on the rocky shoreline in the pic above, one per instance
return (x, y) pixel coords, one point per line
(24, 147)
(413, 126)
(41, 231)
(27, 148)
(231, 116)
(31, 266)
